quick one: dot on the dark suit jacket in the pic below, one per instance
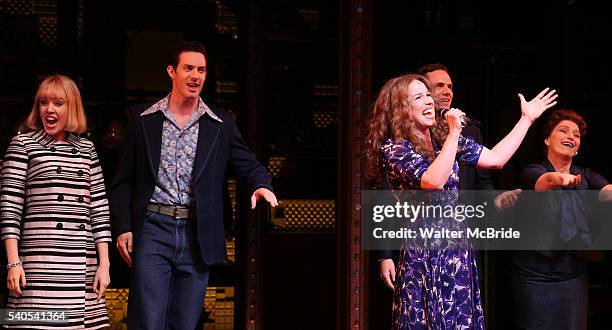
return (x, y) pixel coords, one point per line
(470, 177)
(220, 146)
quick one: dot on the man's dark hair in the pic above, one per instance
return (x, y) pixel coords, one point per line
(185, 46)
(422, 70)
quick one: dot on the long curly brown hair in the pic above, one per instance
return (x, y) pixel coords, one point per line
(390, 119)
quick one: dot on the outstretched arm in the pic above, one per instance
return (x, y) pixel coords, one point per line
(554, 180)
(497, 157)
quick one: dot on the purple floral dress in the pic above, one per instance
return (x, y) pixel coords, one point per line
(435, 288)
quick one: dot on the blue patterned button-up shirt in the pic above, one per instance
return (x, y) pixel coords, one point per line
(174, 186)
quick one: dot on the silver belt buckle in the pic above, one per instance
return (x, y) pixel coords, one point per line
(175, 213)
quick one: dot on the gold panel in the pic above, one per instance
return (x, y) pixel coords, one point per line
(228, 86)
(230, 246)
(305, 215)
(44, 7)
(47, 30)
(323, 119)
(275, 166)
(326, 89)
(116, 303)
(218, 303)
(311, 17)
(226, 20)
(16, 7)
(231, 187)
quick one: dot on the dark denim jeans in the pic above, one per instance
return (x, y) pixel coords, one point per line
(169, 279)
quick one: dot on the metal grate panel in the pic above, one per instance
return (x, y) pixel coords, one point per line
(275, 166)
(305, 215)
(16, 7)
(324, 119)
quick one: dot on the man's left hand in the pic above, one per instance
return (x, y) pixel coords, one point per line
(507, 200)
(266, 194)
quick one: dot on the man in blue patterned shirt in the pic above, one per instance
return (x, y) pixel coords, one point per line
(167, 196)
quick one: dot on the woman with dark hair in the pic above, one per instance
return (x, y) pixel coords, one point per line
(435, 288)
(550, 287)
(54, 215)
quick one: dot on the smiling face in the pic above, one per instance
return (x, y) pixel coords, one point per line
(420, 105)
(53, 111)
(564, 140)
(441, 88)
(189, 75)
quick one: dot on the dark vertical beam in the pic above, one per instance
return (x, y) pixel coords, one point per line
(104, 51)
(253, 300)
(573, 78)
(355, 84)
(67, 14)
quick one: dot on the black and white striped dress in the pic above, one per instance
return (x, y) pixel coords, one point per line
(54, 202)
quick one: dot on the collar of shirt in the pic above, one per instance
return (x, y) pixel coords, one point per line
(162, 105)
(46, 140)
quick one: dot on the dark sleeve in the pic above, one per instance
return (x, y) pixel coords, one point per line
(120, 196)
(530, 175)
(384, 254)
(483, 179)
(98, 203)
(243, 161)
(595, 180)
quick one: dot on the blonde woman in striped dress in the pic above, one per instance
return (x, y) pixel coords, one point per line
(54, 214)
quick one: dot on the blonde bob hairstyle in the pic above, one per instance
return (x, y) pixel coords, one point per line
(59, 87)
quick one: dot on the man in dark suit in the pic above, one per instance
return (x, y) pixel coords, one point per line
(167, 196)
(470, 178)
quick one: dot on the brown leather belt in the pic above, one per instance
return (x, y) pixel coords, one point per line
(177, 212)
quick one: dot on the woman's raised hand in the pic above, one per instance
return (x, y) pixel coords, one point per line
(534, 108)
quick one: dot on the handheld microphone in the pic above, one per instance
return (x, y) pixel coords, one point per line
(465, 120)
